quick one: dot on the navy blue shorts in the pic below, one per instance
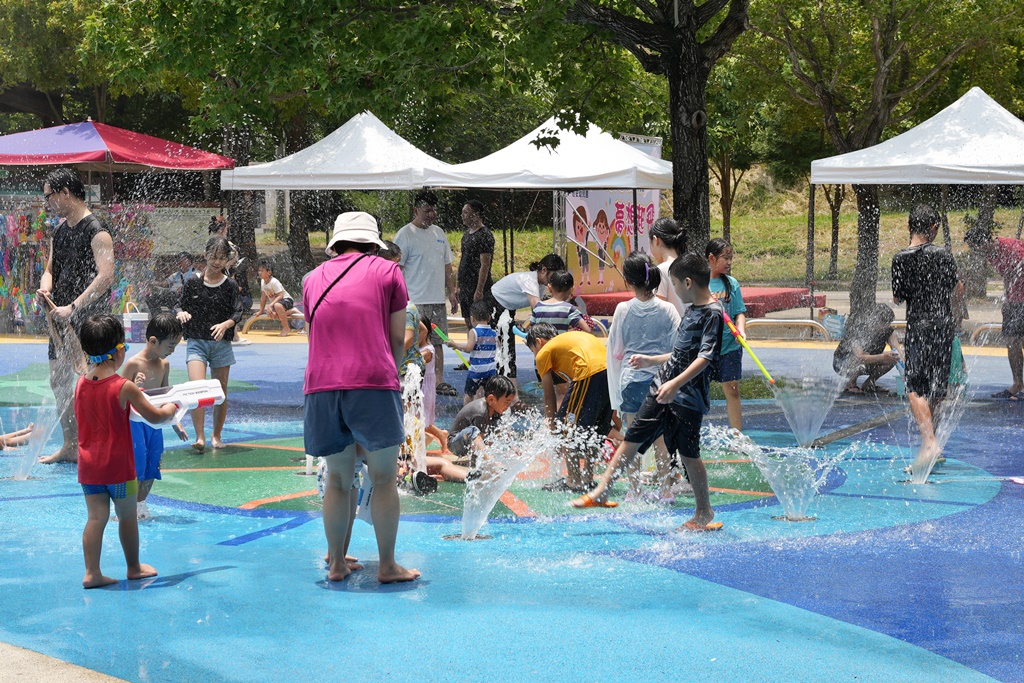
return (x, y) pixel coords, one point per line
(475, 383)
(680, 427)
(334, 420)
(730, 366)
(633, 395)
(1013, 319)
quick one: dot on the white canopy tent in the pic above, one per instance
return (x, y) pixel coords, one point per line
(972, 141)
(595, 161)
(363, 154)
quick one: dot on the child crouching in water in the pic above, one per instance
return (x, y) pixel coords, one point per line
(106, 460)
(678, 398)
(150, 369)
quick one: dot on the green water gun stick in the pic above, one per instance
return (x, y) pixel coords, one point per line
(444, 337)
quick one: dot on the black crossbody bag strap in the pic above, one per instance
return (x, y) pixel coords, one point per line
(330, 287)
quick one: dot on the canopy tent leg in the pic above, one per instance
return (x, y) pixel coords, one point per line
(512, 233)
(504, 231)
(944, 218)
(809, 276)
(636, 224)
(1020, 223)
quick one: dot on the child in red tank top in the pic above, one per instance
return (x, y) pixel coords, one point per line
(106, 460)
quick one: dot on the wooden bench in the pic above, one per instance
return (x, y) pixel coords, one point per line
(293, 314)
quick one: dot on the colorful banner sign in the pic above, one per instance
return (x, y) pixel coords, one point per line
(601, 231)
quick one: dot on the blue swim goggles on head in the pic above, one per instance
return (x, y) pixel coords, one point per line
(109, 355)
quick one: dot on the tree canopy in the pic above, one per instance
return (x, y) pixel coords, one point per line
(461, 78)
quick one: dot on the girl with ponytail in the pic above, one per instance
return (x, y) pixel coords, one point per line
(668, 242)
(727, 290)
(644, 325)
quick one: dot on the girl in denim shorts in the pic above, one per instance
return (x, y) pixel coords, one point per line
(726, 289)
(209, 310)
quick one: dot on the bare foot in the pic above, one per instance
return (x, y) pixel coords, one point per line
(444, 441)
(63, 455)
(925, 459)
(143, 572)
(99, 581)
(338, 573)
(397, 573)
(217, 443)
(199, 446)
(699, 521)
(282, 333)
(351, 562)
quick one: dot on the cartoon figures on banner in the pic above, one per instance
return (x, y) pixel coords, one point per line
(602, 231)
(580, 231)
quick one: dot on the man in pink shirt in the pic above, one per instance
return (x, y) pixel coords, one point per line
(1007, 256)
(355, 314)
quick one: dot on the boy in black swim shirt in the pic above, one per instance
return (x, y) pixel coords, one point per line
(678, 398)
(924, 275)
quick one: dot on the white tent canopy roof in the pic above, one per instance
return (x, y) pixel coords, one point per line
(596, 161)
(972, 141)
(363, 154)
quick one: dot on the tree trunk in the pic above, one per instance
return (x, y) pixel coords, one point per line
(280, 216)
(49, 107)
(976, 268)
(835, 205)
(725, 202)
(865, 274)
(297, 137)
(298, 233)
(242, 213)
(687, 82)
(944, 218)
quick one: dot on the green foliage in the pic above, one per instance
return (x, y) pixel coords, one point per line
(869, 66)
(750, 388)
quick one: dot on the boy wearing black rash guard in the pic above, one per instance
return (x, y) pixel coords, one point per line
(924, 276)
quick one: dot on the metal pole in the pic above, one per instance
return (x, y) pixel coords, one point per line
(504, 231)
(810, 246)
(945, 219)
(512, 233)
(636, 224)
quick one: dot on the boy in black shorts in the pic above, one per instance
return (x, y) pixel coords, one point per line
(924, 275)
(678, 398)
(580, 359)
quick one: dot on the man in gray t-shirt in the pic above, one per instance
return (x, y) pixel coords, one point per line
(427, 265)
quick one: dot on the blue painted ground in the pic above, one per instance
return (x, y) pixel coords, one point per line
(894, 582)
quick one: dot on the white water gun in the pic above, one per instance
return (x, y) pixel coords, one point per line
(201, 393)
